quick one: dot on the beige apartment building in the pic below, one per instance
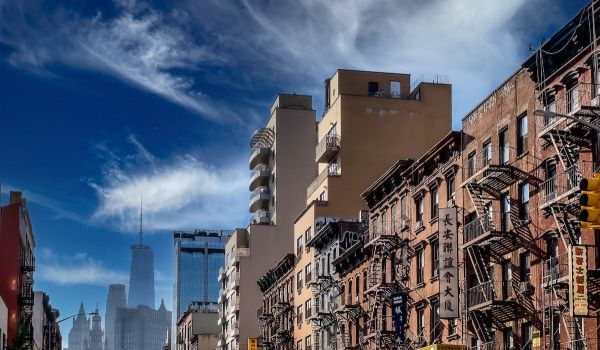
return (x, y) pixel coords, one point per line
(371, 119)
(282, 166)
(196, 328)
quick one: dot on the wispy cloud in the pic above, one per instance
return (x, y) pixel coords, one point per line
(178, 193)
(75, 270)
(141, 46)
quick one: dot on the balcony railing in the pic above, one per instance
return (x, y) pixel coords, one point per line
(555, 269)
(259, 198)
(327, 148)
(580, 344)
(259, 176)
(489, 291)
(27, 262)
(259, 155)
(328, 171)
(261, 216)
(564, 182)
(488, 156)
(570, 102)
(483, 225)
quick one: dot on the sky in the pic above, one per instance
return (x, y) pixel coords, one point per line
(104, 102)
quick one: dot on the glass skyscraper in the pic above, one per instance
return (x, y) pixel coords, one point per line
(198, 257)
(141, 276)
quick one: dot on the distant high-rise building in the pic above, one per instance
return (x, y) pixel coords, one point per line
(79, 335)
(199, 255)
(141, 277)
(116, 299)
(96, 333)
(142, 328)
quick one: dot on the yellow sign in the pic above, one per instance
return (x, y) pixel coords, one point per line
(443, 347)
(252, 343)
(536, 340)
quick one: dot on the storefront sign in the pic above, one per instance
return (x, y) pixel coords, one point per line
(399, 314)
(578, 282)
(448, 269)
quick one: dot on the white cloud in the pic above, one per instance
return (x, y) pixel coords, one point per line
(75, 270)
(179, 193)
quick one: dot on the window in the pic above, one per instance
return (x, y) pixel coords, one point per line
(572, 96)
(522, 134)
(383, 222)
(322, 196)
(525, 265)
(596, 70)
(436, 326)
(435, 203)
(349, 300)
(299, 314)
(403, 212)
(373, 88)
(420, 266)
(308, 343)
(505, 212)
(308, 308)
(299, 345)
(435, 258)
(395, 89)
(394, 218)
(419, 208)
(299, 281)
(421, 325)
(509, 342)
(550, 106)
(357, 283)
(471, 164)
(308, 272)
(487, 153)
(299, 245)
(550, 188)
(504, 148)
(364, 283)
(308, 234)
(526, 336)
(506, 279)
(524, 201)
(451, 188)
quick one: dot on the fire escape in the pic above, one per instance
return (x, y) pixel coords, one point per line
(267, 328)
(26, 297)
(381, 285)
(560, 201)
(324, 289)
(490, 235)
(284, 318)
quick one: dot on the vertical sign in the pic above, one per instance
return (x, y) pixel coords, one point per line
(399, 314)
(252, 343)
(578, 282)
(448, 269)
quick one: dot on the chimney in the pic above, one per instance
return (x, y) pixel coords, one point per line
(16, 197)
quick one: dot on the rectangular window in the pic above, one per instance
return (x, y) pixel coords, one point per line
(573, 97)
(507, 335)
(299, 281)
(299, 246)
(420, 326)
(436, 326)
(420, 267)
(308, 343)
(450, 188)
(505, 212)
(394, 218)
(373, 88)
(308, 234)
(419, 208)
(435, 203)
(524, 201)
(435, 258)
(506, 279)
(299, 345)
(487, 153)
(308, 308)
(550, 106)
(395, 89)
(383, 222)
(526, 336)
(504, 148)
(299, 314)
(403, 212)
(308, 272)
(525, 266)
(521, 134)
(471, 164)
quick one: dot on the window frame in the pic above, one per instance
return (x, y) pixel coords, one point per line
(522, 134)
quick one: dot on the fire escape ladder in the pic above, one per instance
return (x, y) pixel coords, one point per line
(564, 225)
(476, 193)
(567, 151)
(481, 330)
(375, 271)
(478, 261)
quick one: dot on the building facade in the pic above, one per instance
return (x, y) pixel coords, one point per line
(282, 166)
(370, 121)
(141, 276)
(197, 328)
(17, 264)
(198, 257)
(142, 328)
(79, 335)
(46, 330)
(115, 299)
(96, 332)
(3, 324)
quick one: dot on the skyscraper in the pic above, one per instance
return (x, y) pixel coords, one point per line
(96, 332)
(141, 275)
(79, 335)
(116, 298)
(198, 257)
(142, 328)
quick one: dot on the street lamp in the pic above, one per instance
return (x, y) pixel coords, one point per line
(550, 115)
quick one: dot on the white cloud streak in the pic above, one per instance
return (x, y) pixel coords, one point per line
(181, 193)
(79, 269)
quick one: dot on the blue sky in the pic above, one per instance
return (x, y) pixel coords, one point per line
(101, 102)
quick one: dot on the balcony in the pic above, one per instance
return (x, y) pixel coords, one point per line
(221, 275)
(27, 262)
(495, 168)
(221, 319)
(382, 237)
(556, 271)
(259, 176)
(261, 217)
(582, 102)
(259, 199)
(331, 170)
(496, 297)
(327, 148)
(484, 231)
(564, 186)
(259, 155)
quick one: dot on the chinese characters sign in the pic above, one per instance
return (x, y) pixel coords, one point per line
(579, 301)
(399, 314)
(448, 269)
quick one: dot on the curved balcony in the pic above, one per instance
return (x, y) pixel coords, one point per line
(261, 217)
(259, 199)
(327, 148)
(259, 176)
(259, 155)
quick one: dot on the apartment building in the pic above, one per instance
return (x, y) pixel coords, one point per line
(282, 166)
(408, 240)
(197, 327)
(277, 316)
(370, 120)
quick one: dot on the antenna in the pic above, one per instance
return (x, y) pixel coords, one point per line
(141, 216)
